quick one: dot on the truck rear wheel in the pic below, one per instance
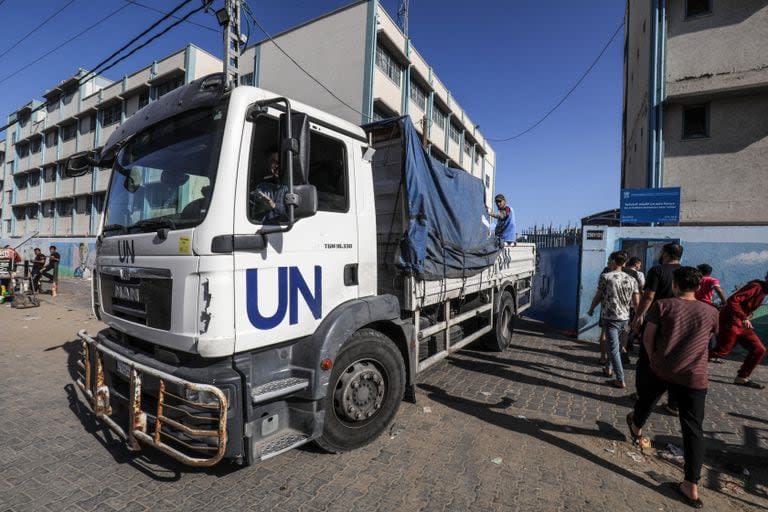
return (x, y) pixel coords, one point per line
(504, 324)
(366, 388)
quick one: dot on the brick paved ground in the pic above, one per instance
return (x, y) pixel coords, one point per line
(539, 410)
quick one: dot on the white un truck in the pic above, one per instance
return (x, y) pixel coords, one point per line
(272, 275)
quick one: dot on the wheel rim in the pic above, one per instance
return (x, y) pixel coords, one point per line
(359, 392)
(505, 322)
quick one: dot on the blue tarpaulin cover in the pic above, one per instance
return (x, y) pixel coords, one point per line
(446, 235)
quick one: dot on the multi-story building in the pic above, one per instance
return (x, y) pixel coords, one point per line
(77, 114)
(360, 54)
(357, 52)
(696, 106)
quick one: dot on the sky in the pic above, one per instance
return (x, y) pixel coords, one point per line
(506, 62)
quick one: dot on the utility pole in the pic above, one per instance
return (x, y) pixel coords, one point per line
(402, 16)
(229, 20)
(424, 127)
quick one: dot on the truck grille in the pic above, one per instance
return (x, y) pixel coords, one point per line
(142, 296)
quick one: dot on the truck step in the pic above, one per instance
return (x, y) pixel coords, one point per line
(279, 443)
(278, 388)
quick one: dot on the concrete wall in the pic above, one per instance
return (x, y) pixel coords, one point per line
(723, 177)
(637, 61)
(738, 254)
(725, 50)
(332, 49)
(74, 253)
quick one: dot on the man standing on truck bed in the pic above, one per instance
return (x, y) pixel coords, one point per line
(505, 220)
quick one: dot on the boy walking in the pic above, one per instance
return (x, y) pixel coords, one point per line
(676, 339)
(617, 292)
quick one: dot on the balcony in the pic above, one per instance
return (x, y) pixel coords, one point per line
(81, 224)
(386, 91)
(83, 184)
(172, 64)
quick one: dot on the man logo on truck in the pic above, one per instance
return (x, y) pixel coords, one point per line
(290, 283)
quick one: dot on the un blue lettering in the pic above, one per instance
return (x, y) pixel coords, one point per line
(290, 283)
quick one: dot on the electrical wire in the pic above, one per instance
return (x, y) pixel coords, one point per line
(83, 79)
(250, 14)
(62, 45)
(153, 38)
(149, 7)
(98, 67)
(562, 100)
(46, 20)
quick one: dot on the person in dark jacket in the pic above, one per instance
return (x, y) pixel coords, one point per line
(735, 326)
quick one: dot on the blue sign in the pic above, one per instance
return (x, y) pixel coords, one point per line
(290, 284)
(646, 205)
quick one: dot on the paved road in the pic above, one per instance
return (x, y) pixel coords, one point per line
(533, 428)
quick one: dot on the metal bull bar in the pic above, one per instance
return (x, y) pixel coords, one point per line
(93, 385)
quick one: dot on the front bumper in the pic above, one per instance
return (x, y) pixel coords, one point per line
(182, 419)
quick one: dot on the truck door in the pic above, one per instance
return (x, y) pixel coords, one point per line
(283, 291)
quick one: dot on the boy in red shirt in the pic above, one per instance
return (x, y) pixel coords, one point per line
(709, 286)
(735, 326)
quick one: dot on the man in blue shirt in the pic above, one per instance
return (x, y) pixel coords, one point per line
(505, 220)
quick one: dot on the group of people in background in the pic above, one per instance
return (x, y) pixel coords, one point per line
(682, 329)
(43, 266)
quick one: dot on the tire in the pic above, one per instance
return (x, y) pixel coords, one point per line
(503, 324)
(366, 357)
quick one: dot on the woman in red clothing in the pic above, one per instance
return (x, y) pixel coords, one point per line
(735, 326)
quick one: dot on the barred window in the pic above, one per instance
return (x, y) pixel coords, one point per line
(388, 65)
(69, 132)
(438, 117)
(418, 96)
(111, 115)
(455, 134)
(168, 86)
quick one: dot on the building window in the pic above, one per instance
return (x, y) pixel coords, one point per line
(65, 207)
(487, 181)
(98, 201)
(35, 145)
(68, 132)
(438, 117)
(49, 174)
(168, 86)
(22, 150)
(67, 97)
(379, 114)
(111, 115)
(246, 79)
(32, 211)
(47, 209)
(418, 96)
(696, 122)
(143, 99)
(467, 147)
(388, 65)
(694, 8)
(455, 134)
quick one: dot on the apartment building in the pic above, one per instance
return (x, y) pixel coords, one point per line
(360, 54)
(357, 51)
(77, 114)
(696, 106)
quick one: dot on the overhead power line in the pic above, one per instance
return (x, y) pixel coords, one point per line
(111, 65)
(149, 7)
(61, 45)
(46, 20)
(98, 67)
(153, 38)
(562, 100)
(250, 14)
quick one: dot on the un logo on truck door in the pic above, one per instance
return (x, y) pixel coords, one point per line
(290, 285)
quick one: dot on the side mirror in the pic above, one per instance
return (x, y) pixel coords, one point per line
(305, 201)
(79, 164)
(298, 142)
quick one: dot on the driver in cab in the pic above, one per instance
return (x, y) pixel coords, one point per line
(268, 198)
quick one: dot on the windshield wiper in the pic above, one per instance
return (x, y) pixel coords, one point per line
(150, 224)
(115, 227)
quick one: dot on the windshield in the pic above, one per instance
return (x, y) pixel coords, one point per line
(164, 176)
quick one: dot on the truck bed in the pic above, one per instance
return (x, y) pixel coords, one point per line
(515, 263)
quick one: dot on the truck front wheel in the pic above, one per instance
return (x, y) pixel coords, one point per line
(366, 387)
(504, 324)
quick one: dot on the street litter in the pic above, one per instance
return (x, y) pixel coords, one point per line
(497, 461)
(426, 409)
(612, 448)
(745, 472)
(395, 430)
(521, 417)
(33, 318)
(635, 456)
(674, 450)
(485, 393)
